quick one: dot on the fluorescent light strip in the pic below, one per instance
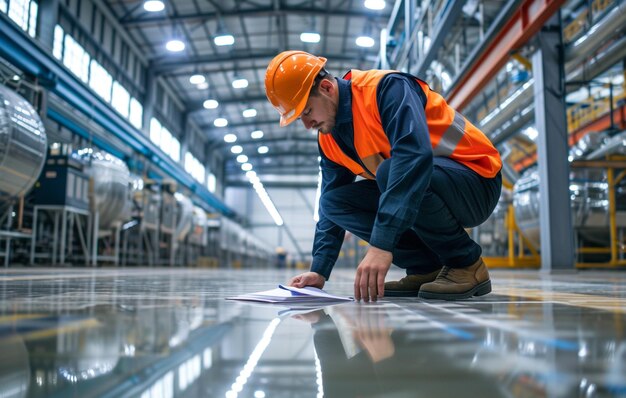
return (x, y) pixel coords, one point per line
(253, 359)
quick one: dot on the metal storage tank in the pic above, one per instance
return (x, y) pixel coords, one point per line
(588, 194)
(23, 145)
(111, 191)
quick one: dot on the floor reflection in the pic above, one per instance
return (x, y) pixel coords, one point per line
(170, 333)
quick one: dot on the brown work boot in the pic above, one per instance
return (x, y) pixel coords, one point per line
(458, 283)
(409, 286)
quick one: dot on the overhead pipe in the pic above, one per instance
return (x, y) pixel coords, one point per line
(616, 52)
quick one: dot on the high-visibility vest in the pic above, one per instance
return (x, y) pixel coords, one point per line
(451, 135)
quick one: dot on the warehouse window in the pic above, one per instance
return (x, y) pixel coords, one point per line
(194, 167)
(57, 46)
(120, 99)
(136, 113)
(75, 58)
(175, 149)
(23, 13)
(212, 183)
(100, 80)
(155, 131)
(162, 138)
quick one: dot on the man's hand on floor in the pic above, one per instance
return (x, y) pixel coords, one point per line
(369, 283)
(308, 279)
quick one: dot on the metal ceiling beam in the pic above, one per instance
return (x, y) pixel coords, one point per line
(253, 13)
(166, 65)
(525, 22)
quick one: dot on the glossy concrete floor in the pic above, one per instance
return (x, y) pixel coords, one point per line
(170, 333)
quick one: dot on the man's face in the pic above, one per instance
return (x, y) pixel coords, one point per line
(320, 110)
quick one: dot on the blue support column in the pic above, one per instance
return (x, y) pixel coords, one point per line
(148, 101)
(557, 237)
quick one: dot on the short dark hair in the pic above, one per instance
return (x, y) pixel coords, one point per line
(323, 74)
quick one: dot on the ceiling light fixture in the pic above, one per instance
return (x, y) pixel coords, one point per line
(246, 167)
(230, 138)
(224, 40)
(197, 79)
(310, 37)
(236, 149)
(202, 86)
(153, 5)
(263, 149)
(220, 122)
(240, 82)
(210, 104)
(256, 134)
(375, 4)
(242, 158)
(250, 112)
(365, 41)
(175, 45)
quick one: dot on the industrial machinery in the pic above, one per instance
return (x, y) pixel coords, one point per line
(110, 202)
(589, 194)
(23, 145)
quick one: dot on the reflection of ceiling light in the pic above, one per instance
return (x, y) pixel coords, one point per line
(364, 41)
(246, 167)
(230, 138)
(197, 79)
(202, 86)
(210, 104)
(175, 45)
(242, 158)
(236, 149)
(375, 4)
(263, 149)
(310, 37)
(250, 112)
(224, 40)
(220, 122)
(256, 134)
(153, 5)
(240, 83)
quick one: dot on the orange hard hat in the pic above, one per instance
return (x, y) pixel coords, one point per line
(288, 81)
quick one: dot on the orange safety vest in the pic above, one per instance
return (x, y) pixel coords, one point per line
(451, 135)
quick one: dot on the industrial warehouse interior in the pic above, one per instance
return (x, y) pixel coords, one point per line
(145, 180)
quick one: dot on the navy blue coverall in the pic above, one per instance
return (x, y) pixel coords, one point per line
(418, 206)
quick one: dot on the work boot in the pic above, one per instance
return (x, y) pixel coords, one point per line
(458, 283)
(409, 286)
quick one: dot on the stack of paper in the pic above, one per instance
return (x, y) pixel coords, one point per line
(292, 295)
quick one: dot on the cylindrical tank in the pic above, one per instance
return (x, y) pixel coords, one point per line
(184, 216)
(111, 192)
(23, 146)
(589, 200)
